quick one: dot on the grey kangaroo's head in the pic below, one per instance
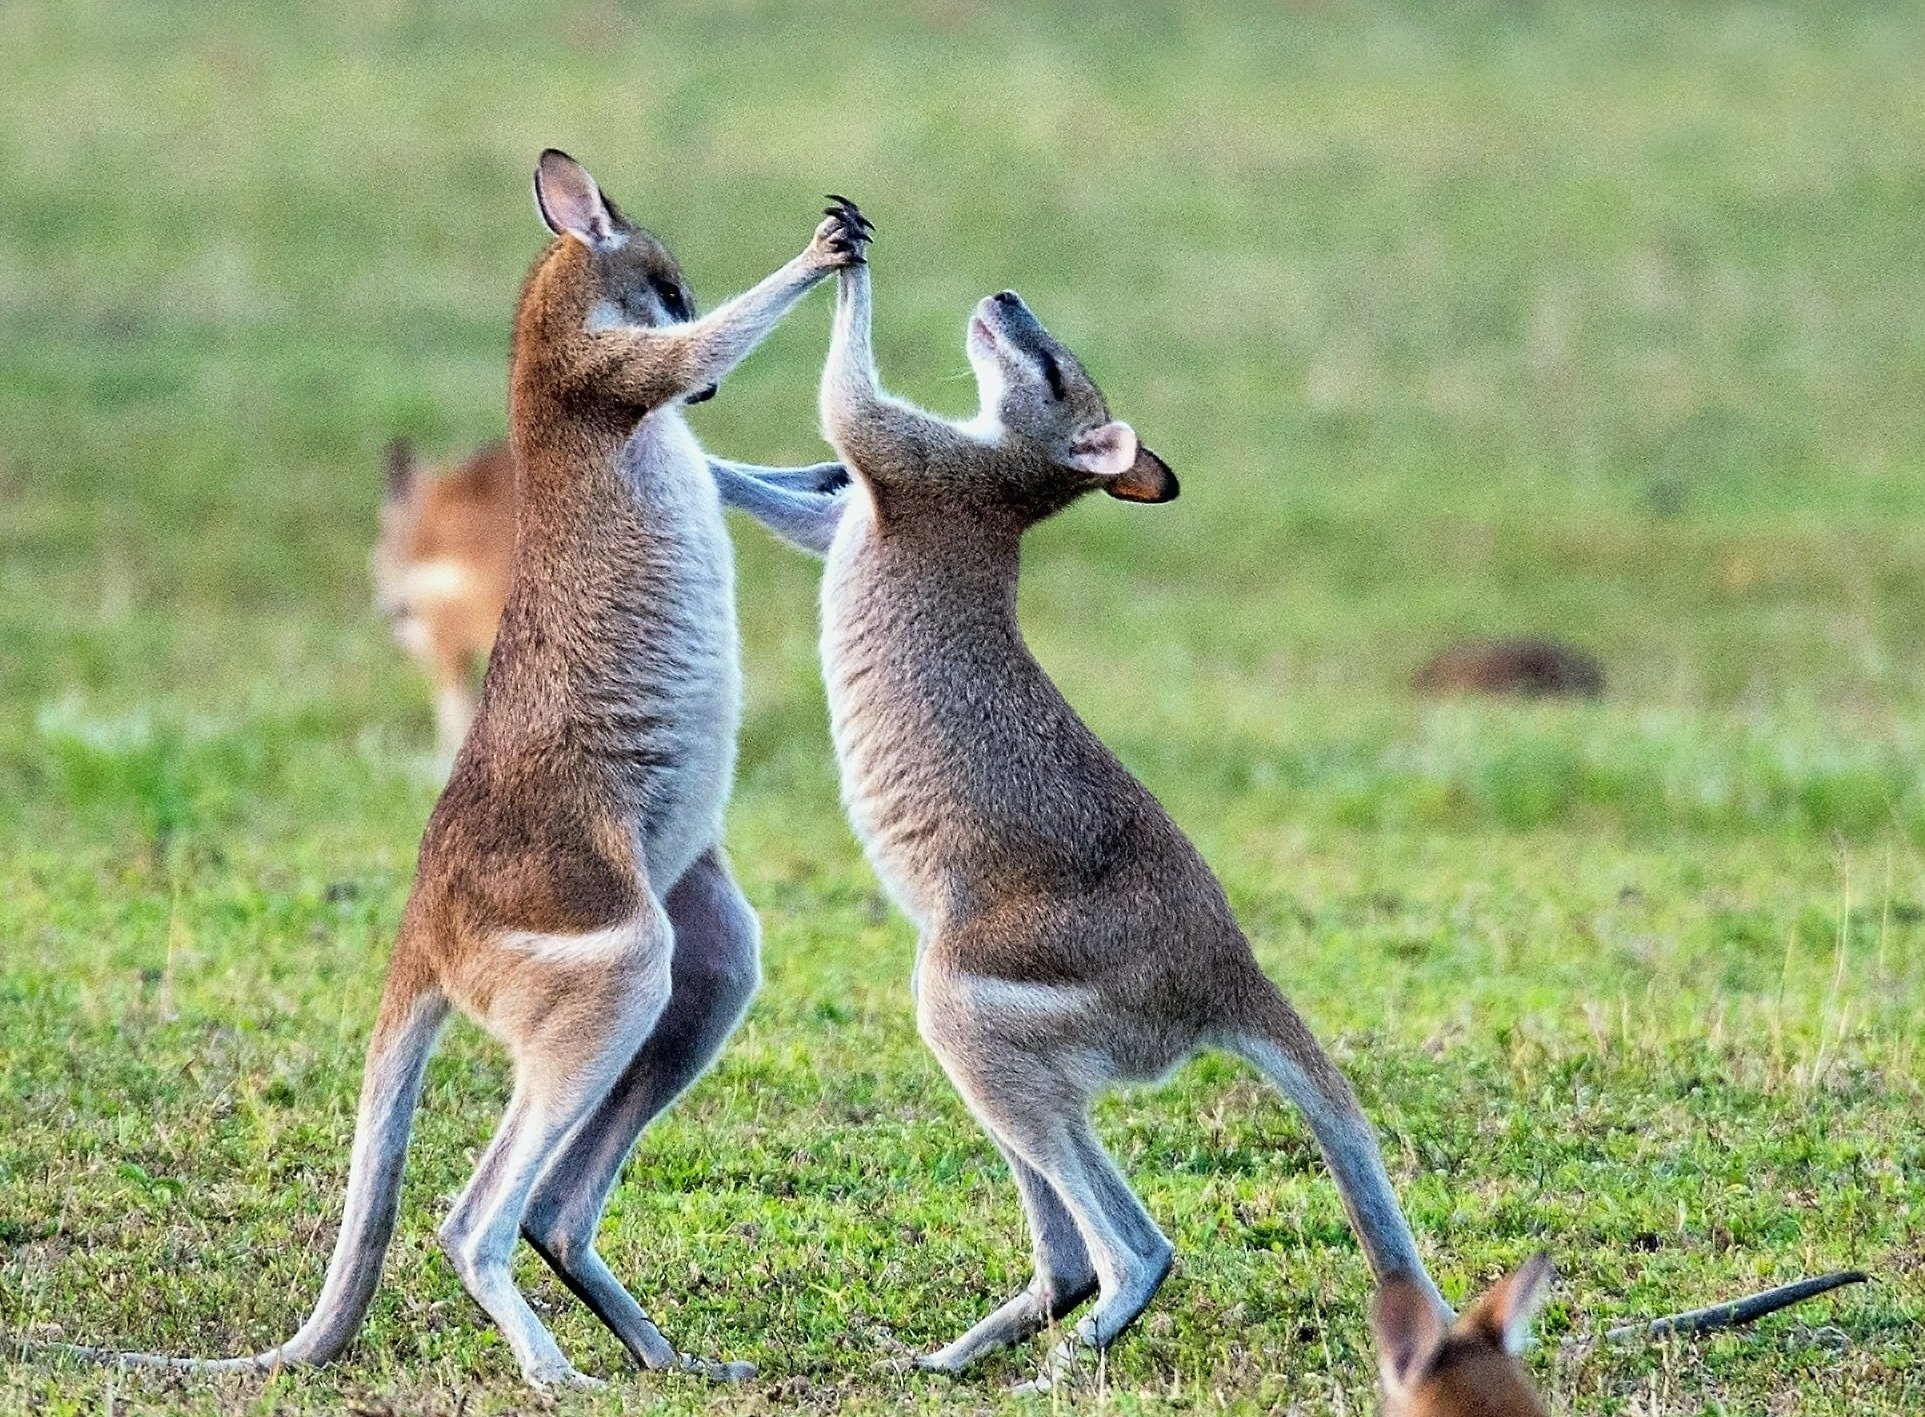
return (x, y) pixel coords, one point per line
(632, 278)
(1049, 420)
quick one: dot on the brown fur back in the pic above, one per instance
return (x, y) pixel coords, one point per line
(603, 742)
(1527, 668)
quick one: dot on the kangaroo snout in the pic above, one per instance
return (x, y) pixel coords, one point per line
(1004, 320)
(993, 310)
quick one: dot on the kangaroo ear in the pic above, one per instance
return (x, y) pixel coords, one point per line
(1505, 1313)
(397, 459)
(1147, 479)
(1408, 1332)
(1104, 452)
(571, 203)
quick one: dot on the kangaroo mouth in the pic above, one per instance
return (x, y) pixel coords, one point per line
(702, 395)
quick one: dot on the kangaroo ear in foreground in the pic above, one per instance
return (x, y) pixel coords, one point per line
(1407, 1330)
(1147, 479)
(571, 203)
(1504, 1314)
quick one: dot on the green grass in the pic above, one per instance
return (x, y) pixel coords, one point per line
(1604, 321)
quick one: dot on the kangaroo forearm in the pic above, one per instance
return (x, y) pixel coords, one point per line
(807, 520)
(851, 391)
(870, 426)
(649, 367)
(716, 343)
(818, 477)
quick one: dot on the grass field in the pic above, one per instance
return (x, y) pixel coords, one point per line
(1606, 321)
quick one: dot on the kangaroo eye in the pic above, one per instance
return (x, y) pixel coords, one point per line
(671, 298)
(1052, 375)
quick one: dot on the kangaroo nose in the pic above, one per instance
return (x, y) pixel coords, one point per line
(1008, 297)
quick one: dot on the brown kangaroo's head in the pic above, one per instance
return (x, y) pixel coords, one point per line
(1049, 420)
(441, 561)
(627, 266)
(605, 270)
(1470, 1369)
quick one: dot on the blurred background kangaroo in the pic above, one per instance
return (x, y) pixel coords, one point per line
(441, 570)
(1521, 668)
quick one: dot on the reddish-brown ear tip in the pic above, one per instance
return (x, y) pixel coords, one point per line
(1148, 479)
(1505, 1313)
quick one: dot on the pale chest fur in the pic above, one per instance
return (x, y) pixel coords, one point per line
(681, 674)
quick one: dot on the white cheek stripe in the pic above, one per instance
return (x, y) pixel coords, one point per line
(987, 425)
(606, 315)
(438, 580)
(595, 947)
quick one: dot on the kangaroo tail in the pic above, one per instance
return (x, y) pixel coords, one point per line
(1269, 1033)
(1736, 1312)
(412, 1012)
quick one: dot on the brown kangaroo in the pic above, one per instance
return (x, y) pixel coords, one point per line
(571, 895)
(1071, 936)
(1469, 1368)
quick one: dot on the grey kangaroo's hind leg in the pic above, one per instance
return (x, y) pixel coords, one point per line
(1282, 1046)
(803, 507)
(1064, 1276)
(1132, 1255)
(715, 972)
(563, 1069)
(1039, 1111)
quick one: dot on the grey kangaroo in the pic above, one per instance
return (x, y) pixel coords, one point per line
(1071, 936)
(571, 894)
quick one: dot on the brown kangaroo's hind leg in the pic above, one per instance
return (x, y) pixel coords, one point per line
(715, 971)
(571, 1039)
